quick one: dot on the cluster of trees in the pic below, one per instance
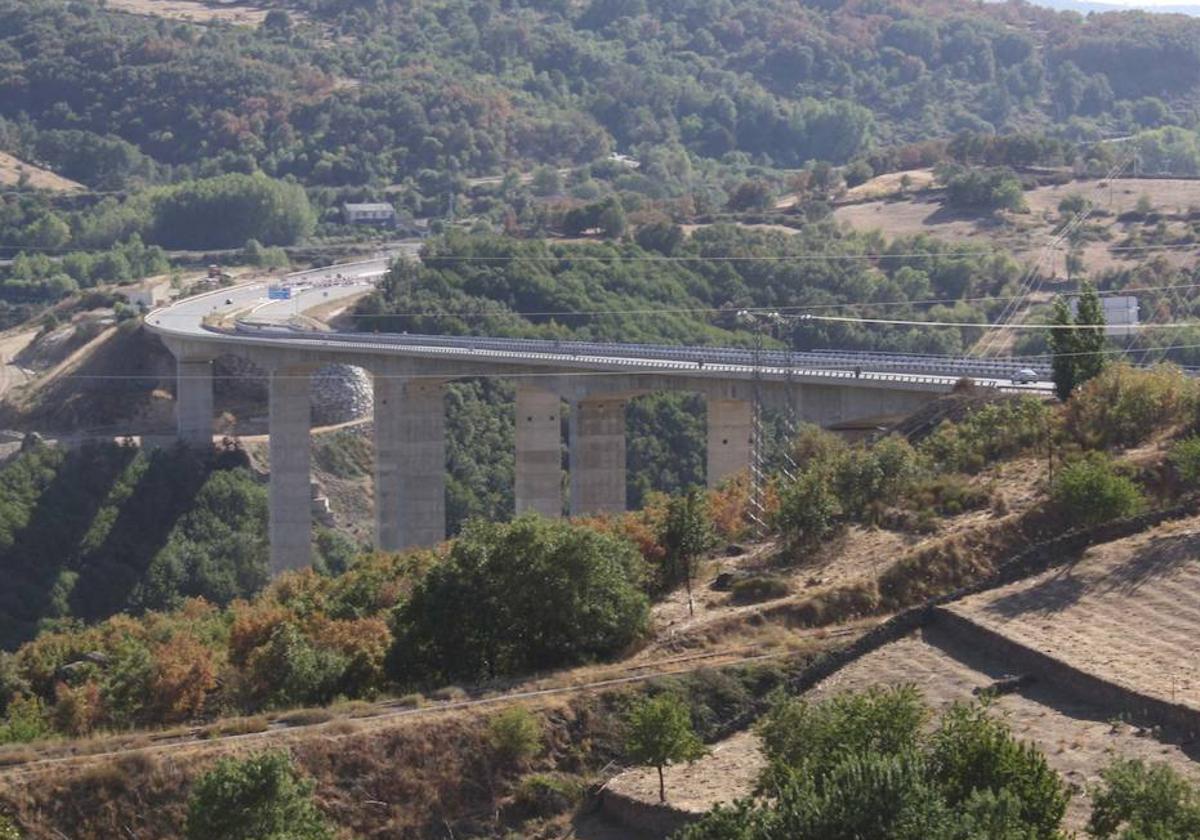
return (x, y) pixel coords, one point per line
(871, 765)
(86, 533)
(969, 188)
(361, 93)
(41, 278)
(506, 599)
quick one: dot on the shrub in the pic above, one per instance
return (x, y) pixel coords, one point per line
(1123, 406)
(752, 590)
(1185, 458)
(258, 798)
(515, 735)
(543, 795)
(1090, 491)
(1136, 800)
(808, 511)
(993, 431)
(8, 831)
(947, 495)
(26, 721)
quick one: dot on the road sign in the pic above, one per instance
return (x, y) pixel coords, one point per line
(279, 293)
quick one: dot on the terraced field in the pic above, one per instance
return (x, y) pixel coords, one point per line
(1127, 612)
(1078, 739)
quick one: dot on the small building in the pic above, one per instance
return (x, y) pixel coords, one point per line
(377, 215)
(148, 293)
(1120, 314)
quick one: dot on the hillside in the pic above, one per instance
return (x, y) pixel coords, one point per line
(784, 81)
(268, 673)
(1116, 237)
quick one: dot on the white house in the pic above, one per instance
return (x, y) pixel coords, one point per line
(381, 215)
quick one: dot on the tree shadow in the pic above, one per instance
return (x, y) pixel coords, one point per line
(51, 541)
(165, 491)
(1050, 596)
(1161, 556)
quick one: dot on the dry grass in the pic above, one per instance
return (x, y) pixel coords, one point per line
(236, 726)
(12, 169)
(305, 717)
(193, 11)
(1127, 611)
(1027, 234)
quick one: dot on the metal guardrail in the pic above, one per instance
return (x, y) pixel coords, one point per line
(895, 368)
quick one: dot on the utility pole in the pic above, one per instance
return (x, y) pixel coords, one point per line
(764, 323)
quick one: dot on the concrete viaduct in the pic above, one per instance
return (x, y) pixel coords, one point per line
(410, 373)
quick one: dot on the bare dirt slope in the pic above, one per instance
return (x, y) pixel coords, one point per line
(11, 345)
(1127, 612)
(12, 169)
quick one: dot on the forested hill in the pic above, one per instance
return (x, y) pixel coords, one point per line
(349, 92)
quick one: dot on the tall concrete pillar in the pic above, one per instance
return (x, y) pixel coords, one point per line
(194, 401)
(388, 393)
(597, 456)
(291, 493)
(730, 438)
(539, 452)
(410, 472)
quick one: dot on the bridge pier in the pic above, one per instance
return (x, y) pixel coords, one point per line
(597, 456)
(290, 491)
(388, 395)
(194, 401)
(539, 452)
(410, 463)
(730, 438)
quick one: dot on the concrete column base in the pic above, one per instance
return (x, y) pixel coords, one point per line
(730, 439)
(597, 456)
(291, 493)
(539, 452)
(194, 401)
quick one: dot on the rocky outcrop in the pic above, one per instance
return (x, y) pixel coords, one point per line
(341, 393)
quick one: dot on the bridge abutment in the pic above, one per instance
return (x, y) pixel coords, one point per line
(597, 458)
(539, 452)
(290, 490)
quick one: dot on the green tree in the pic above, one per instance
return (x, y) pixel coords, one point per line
(1089, 341)
(661, 734)
(541, 594)
(1062, 346)
(686, 533)
(258, 798)
(1136, 801)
